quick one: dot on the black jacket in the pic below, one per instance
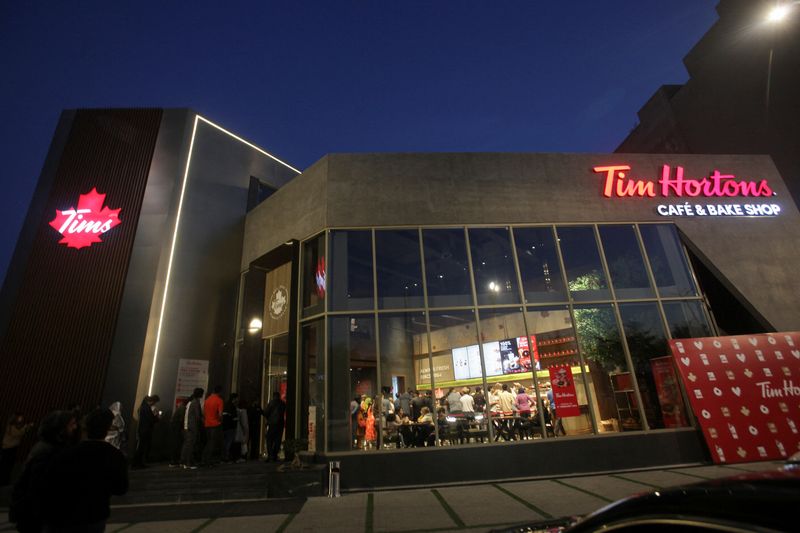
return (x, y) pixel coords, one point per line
(147, 419)
(80, 481)
(275, 413)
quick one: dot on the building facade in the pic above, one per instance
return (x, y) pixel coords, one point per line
(201, 259)
(434, 272)
(95, 313)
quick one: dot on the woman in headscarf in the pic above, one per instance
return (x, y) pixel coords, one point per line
(116, 435)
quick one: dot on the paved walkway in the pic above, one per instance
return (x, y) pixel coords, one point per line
(462, 508)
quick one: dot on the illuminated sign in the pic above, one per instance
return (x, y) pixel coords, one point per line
(82, 226)
(618, 184)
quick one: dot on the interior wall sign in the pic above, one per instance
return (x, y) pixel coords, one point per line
(618, 184)
(82, 226)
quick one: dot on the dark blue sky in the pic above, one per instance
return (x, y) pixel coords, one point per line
(305, 78)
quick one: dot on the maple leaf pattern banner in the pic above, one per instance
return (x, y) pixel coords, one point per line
(745, 393)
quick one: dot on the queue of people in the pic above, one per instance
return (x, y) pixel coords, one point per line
(459, 415)
(70, 475)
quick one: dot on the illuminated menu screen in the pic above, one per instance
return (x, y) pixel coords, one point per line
(508, 356)
(467, 362)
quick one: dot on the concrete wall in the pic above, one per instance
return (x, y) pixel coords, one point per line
(295, 211)
(756, 255)
(200, 312)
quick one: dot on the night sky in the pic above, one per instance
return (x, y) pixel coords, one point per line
(305, 78)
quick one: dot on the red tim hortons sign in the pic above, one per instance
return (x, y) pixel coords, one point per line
(745, 392)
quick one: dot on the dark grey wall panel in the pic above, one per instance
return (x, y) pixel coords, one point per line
(56, 349)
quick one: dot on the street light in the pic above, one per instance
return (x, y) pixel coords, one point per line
(778, 13)
(775, 16)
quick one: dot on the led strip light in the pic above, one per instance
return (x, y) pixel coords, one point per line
(177, 225)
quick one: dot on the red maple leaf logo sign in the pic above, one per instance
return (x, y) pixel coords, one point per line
(82, 226)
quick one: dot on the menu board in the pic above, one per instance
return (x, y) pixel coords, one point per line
(493, 359)
(467, 362)
(510, 357)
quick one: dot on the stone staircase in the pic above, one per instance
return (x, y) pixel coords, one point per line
(253, 480)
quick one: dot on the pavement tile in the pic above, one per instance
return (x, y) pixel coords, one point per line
(331, 514)
(112, 528)
(172, 526)
(757, 467)
(612, 488)
(660, 478)
(484, 504)
(246, 524)
(710, 472)
(555, 498)
(407, 510)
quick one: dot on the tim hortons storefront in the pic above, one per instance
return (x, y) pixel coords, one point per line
(163, 252)
(434, 272)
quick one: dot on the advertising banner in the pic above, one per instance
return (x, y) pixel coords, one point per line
(564, 395)
(745, 392)
(192, 373)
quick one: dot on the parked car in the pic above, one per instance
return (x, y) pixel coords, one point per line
(758, 501)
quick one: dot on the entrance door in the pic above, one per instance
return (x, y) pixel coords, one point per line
(276, 361)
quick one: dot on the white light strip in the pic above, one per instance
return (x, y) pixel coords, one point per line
(171, 256)
(251, 145)
(177, 224)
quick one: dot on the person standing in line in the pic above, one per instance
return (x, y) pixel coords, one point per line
(480, 400)
(212, 415)
(144, 433)
(523, 405)
(16, 428)
(242, 438)
(467, 403)
(507, 410)
(81, 479)
(176, 432)
(556, 421)
(355, 408)
(230, 421)
(192, 422)
(275, 413)
(405, 400)
(117, 433)
(56, 432)
(417, 403)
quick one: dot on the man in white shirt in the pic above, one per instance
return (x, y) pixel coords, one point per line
(467, 402)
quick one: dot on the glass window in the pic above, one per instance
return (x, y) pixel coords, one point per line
(538, 265)
(446, 268)
(399, 269)
(514, 410)
(312, 412)
(687, 320)
(669, 264)
(611, 380)
(456, 362)
(353, 374)
(493, 265)
(351, 270)
(655, 370)
(625, 262)
(554, 350)
(314, 276)
(582, 261)
(404, 357)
